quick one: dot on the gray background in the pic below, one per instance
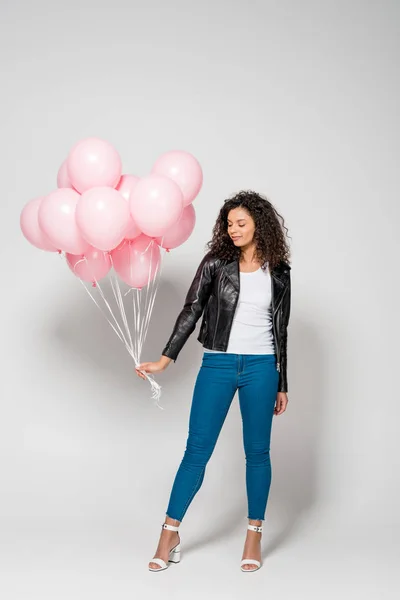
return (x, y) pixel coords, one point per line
(297, 100)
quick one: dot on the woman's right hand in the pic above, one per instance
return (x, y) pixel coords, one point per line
(153, 367)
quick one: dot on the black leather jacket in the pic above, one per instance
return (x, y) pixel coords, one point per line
(215, 289)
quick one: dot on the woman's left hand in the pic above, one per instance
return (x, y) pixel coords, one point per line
(281, 403)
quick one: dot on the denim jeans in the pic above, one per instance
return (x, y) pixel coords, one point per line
(220, 375)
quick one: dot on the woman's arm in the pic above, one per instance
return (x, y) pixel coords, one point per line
(195, 302)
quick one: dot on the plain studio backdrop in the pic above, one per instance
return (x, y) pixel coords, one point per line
(298, 101)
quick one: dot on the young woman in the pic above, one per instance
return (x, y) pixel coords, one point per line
(242, 288)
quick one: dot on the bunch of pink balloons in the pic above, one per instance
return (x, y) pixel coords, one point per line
(101, 218)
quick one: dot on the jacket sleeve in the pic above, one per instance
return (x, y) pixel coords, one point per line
(195, 302)
(283, 383)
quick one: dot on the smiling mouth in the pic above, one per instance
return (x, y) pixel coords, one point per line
(236, 238)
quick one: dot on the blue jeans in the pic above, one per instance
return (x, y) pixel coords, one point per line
(220, 375)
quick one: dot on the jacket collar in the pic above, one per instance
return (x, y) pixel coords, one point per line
(277, 273)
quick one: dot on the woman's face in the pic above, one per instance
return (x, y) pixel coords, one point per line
(241, 227)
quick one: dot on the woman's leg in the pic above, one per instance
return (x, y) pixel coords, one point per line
(214, 390)
(212, 396)
(258, 388)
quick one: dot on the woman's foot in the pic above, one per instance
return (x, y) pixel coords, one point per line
(168, 540)
(252, 546)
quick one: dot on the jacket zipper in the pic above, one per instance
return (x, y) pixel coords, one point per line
(233, 312)
(216, 325)
(278, 364)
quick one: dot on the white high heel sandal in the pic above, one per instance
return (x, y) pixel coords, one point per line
(251, 561)
(174, 553)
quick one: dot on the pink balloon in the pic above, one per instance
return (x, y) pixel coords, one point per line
(180, 232)
(136, 261)
(156, 204)
(102, 216)
(126, 185)
(184, 169)
(30, 226)
(93, 162)
(63, 181)
(57, 220)
(91, 266)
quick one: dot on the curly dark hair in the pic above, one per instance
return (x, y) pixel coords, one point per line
(269, 236)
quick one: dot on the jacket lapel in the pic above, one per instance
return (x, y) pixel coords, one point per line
(232, 271)
(279, 280)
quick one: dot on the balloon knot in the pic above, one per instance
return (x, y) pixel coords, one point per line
(94, 284)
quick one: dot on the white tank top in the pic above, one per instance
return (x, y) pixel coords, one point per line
(251, 331)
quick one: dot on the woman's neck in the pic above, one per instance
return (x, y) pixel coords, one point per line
(248, 255)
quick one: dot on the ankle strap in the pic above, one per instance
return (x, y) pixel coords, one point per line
(255, 528)
(171, 527)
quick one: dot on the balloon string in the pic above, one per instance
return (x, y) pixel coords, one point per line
(155, 387)
(121, 337)
(133, 351)
(139, 295)
(141, 339)
(118, 299)
(154, 290)
(98, 286)
(151, 290)
(139, 299)
(105, 302)
(135, 318)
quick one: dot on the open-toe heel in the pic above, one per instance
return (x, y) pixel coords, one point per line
(251, 561)
(174, 553)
